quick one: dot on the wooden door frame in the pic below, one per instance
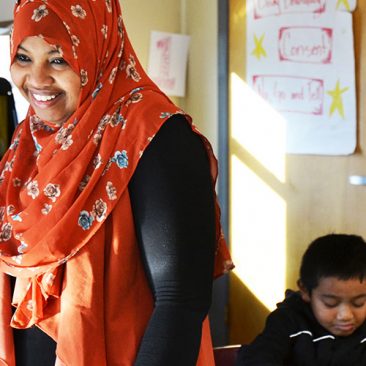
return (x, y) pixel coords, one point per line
(218, 312)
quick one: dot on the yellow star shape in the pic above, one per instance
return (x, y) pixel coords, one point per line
(259, 51)
(345, 4)
(337, 103)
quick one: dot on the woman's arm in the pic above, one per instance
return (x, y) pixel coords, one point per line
(173, 205)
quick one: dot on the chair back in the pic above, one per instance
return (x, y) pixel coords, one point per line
(226, 355)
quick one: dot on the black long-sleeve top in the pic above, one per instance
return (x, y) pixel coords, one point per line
(173, 206)
(293, 337)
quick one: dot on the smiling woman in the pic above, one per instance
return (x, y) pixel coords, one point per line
(106, 193)
(46, 80)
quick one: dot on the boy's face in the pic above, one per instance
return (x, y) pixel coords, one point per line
(338, 305)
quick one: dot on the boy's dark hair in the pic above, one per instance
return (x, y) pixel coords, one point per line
(335, 255)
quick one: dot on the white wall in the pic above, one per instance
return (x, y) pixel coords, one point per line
(202, 96)
(143, 16)
(199, 20)
(6, 12)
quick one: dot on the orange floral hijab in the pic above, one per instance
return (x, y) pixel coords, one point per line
(40, 198)
(58, 185)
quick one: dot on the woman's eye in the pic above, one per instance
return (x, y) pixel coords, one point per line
(22, 58)
(59, 61)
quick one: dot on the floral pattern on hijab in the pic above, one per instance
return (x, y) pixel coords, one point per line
(113, 83)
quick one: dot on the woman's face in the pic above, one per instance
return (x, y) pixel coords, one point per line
(46, 80)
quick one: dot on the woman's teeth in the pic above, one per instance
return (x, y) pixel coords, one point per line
(44, 98)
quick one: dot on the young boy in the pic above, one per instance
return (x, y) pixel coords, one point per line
(323, 324)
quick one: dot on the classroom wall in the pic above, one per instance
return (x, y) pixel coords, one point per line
(199, 20)
(202, 25)
(143, 16)
(280, 202)
(6, 12)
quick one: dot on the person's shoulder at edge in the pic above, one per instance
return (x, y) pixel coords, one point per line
(271, 346)
(176, 143)
(293, 305)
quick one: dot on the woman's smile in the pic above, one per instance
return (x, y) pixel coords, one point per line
(43, 100)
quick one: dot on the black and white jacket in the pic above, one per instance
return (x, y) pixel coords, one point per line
(293, 337)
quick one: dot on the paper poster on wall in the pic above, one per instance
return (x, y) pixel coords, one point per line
(168, 62)
(300, 60)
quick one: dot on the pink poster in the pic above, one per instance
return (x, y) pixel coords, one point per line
(168, 62)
